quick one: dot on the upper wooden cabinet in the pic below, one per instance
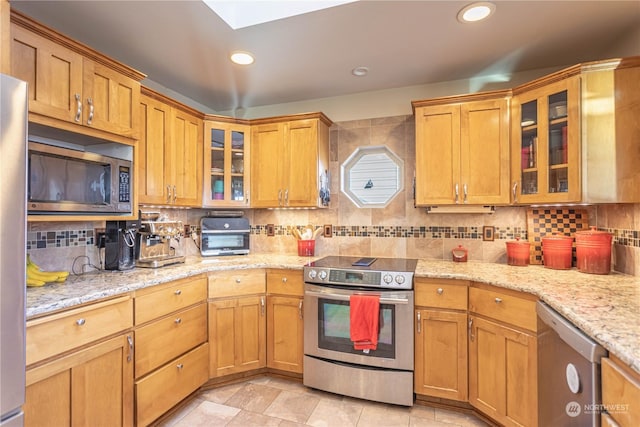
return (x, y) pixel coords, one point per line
(574, 135)
(226, 162)
(170, 152)
(73, 87)
(290, 161)
(462, 150)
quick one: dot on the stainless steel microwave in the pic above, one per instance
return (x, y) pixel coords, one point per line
(64, 180)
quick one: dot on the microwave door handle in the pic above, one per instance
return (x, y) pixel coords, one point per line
(346, 297)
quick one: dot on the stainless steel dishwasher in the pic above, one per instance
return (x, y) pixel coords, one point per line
(568, 372)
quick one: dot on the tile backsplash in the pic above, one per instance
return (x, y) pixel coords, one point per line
(399, 229)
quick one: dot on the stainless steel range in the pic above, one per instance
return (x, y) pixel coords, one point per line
(334, 360)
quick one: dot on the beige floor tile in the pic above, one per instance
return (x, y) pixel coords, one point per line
(177, 416)
(253, 419)
(381, 415)
(208, 414)
(222, 394)
(422, 411)
(459, 418)
(335, 413)
(292, 406)
(253, 397)
(424, 422)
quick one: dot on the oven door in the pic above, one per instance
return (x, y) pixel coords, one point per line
(326, 327)
(228, 242)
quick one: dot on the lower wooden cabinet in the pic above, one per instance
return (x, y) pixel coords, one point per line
(237, 331)
(164, 388)
(620, 394)
(441, 338)
(285, 325)
(91, 387)
(503, 372)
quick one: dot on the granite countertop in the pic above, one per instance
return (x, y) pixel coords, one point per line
(605, 307)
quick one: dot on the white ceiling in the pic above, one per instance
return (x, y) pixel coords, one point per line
(184, 45)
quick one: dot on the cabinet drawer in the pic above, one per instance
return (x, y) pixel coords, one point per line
(159, 301)
(450, 294)
(236, 283)
(160, 391)
(504, 307)
(162, 340)
(58, 333)
(620, 394)
(285, 282)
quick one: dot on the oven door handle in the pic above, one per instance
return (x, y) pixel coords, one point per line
(346, 297)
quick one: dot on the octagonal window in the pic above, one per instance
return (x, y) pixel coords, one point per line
(372, 176)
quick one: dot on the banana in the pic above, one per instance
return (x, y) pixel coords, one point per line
(36, 275)
(34, 282)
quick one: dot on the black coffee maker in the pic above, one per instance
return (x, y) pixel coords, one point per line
(120, 245)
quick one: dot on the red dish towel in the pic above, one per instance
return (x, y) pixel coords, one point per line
(364, 317)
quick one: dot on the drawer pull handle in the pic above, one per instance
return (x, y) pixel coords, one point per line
(440, 291)
(284, 280)
(238, 280)
(178, 321)
(130, 353)
(419, 321)
(179, 366)
(300, 312)
(471, 335)
(177, 292)
(498, 300)
(80, 322)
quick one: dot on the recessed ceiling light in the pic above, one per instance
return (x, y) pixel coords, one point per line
(242, 58)
(360, 71)
(475, 12)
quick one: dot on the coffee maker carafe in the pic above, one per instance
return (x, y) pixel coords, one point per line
(120, 245)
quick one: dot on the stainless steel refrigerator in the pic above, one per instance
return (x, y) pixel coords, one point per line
(13, 203)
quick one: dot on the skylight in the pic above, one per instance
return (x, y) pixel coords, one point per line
(245, 13)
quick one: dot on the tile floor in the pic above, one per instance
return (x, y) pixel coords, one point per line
(269, 401)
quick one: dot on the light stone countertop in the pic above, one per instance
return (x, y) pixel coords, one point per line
(605, 307)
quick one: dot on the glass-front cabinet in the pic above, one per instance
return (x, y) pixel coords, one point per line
(546, 143)
(226, 163)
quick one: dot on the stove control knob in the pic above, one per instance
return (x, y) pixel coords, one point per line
(387, 278)
(399, 280)
(312, 274)
(323, 274)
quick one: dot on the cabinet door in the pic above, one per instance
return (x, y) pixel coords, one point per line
(110, 100)
(53, 72)
(301, 164)
(441, 354)
(237, 333)
(437, 155)
(185, 159)
(268, 158)
(546, 144)
(484, 152)
(503, 373)
(153, 167)
(226, 164)
(91, 387)
(285, 331)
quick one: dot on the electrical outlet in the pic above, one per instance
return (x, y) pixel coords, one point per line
(187, 230)
(271, 230)
(328, 230)
(100, 237)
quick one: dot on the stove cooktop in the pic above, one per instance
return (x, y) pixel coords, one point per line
(391, 273)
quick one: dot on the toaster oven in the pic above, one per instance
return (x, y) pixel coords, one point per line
(224, 236)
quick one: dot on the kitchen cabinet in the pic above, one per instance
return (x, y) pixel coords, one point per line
(172, 352)
(285, 326)
(503, 355)
(80, 366)
(462, 150)
(620, 394)
(226, 162)
(73, 87)
(170, 152)
(441, 338)
(290, 161)
(237, 322)
(571, 139)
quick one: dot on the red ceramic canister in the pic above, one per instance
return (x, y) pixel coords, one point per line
(593, 251)
(518, 252)
(557, 251)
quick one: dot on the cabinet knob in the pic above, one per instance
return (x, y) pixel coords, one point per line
(177, 292)
(178, 321)
(179, 366)
(498, 300)
(80, 322)
(238, 280)
(440, 291)
(284, 280)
